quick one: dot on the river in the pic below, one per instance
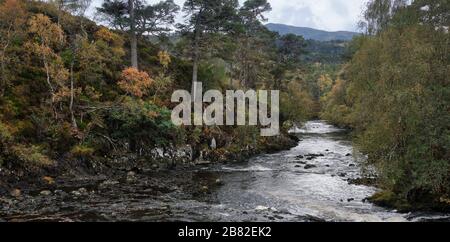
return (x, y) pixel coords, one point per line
(306, 183)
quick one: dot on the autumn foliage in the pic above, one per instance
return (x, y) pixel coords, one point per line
(135, 82)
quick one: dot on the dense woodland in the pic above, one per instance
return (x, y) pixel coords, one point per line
(394, 93)
(75, 89)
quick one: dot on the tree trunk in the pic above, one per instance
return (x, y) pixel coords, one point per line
(195, 64)
(3, 74)
(72, 94)
(133, 37)
(52, 90)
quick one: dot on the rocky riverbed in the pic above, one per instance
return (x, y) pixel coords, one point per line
(321, 179)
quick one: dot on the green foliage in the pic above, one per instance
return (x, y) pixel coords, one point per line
(141, 123)
(31, 155)
(64, 93)
(296, 103)
(395, 94)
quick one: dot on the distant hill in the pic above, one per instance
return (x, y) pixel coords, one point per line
(310, 33)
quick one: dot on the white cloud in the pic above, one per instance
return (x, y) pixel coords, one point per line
(331, 15)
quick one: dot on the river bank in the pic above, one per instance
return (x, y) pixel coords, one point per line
(313, 181)
(20, 188)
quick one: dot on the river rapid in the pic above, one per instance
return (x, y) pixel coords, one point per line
(309, 182)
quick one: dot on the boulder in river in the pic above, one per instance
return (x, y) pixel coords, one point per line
(46, 193)
(261, 208)
(131, 177)
(76, 193)
(202, 162)
(16, 193)
(83, 190)
(309, 166)
(80, 192)
(219, 182)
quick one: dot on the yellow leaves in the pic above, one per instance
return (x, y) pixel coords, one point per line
(291, 97)
(164, 58)
(32, 155)
(445, 200)
(418, 89)
(58, 72)
(93, 94)
(113, 40)
(47, 32)
(135, 82)
(82, 151)
(47, 36)
(12, 14)
(6, 132)
(48, 180)
(325, 82)
(109, 37)
(62, 93)
(153, 114)
(39, 49)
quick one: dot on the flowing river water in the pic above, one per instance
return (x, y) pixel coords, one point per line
(307, 183)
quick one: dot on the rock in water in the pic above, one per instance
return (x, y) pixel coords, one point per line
(131, 177)
(49, 180)
(219, 182)
(261, 208)
(45, 193)
(213, 144)
(16, 193)
(76, 193)
(307, 167)
(81, 192)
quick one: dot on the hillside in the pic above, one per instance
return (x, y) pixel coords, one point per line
(310, 33)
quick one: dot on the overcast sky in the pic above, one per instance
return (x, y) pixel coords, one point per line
(331, 15)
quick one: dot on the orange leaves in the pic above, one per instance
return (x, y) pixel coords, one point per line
(114, 41)
(108, 36)
(12, 14)
(47, 32)
(48, 180)
(63, 93)
(135, 82)
(48, 35)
